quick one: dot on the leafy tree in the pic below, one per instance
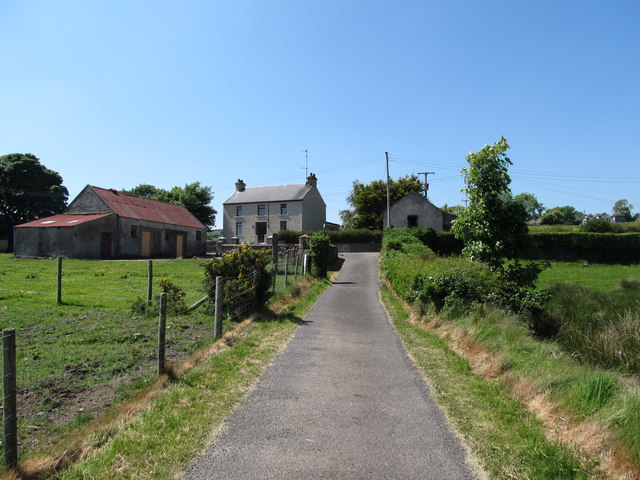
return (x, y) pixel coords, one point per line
(597, 225)
(370, 201)
(28, 190)
(195, 197)
(566, 215)
(530, 203)
(493, 226)
(623, 208)
(145, 190)
(453, 209)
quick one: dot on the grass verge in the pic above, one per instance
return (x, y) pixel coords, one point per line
(507, 439)
(156, 434)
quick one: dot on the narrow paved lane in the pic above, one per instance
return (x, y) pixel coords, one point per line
(342, 401)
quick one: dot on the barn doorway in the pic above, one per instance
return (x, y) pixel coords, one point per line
(105, 245)
(146, 243)
(412, 221)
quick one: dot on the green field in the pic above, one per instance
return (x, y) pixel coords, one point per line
(76, 358)
(598, 277)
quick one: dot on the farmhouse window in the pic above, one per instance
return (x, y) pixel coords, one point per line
(239, 211)
(283, 225)
(238, 228)
(134, 231)
(283, 209)
(262, 209)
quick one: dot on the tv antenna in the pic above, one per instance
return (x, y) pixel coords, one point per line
(306, 163)
(426, 184)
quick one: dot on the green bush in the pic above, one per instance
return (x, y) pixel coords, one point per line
(597, 225)
(593, 247)
(319, 245)
(238, 269)
(336, 236)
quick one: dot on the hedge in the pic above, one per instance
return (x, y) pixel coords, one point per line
(336, 236)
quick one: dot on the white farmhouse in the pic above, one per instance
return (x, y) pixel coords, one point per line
(252, 214)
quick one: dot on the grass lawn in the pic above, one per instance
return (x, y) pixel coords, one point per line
(75, 359)
(598, 277)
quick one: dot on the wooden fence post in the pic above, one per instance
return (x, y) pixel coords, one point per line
(274, 251)
(217, 326)
(256, 286)
(149, 280)
(162, 326)
(10, 411)
(59, 282)
(286, 269)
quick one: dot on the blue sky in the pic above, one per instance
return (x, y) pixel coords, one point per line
(117, 93)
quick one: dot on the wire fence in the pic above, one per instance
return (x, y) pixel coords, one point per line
(69, 371)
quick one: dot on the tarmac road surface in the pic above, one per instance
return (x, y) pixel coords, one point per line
(342, 401)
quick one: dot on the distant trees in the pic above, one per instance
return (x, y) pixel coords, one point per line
(531, 204)
(623, 208)
(28, 190)
(369, 201)
(493, 226)
(566, 215)
(195, 197)
(453, 209)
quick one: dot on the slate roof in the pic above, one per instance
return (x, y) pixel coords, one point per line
(64, 220)
(281, 193)
(130, 206)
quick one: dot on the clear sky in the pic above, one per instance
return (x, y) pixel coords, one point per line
(115, 93)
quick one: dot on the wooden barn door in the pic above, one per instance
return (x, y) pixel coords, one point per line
(179, 245)
(146, 243)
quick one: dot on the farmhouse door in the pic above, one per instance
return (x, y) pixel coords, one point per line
(146, 243)
(261, 231)
(105, 245)
(179, 245)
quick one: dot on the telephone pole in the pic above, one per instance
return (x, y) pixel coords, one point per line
(426, 184)
(386, 154)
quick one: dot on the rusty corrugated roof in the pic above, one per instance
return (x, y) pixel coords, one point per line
(64, 220)
(130, 206)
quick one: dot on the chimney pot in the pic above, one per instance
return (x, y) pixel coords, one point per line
(240, 186)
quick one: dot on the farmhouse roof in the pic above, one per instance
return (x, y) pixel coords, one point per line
(64, 220)
(281, 193)
(131, 206)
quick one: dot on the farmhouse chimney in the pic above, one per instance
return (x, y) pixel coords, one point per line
(240, 186)
(312, 181)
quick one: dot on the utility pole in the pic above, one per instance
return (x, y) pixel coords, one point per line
(426, 184)
(388, 195)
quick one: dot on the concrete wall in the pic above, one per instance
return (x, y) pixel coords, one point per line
(428, 215)
(87, 201)
(314, 212)
(84, 240)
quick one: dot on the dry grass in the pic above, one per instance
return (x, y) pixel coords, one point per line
(593, 440)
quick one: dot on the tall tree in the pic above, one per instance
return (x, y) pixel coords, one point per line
(530, 203)
(28, 190)
(493, 226)
(195, 198)
(623, 208)
(566, 215)
(369, 201)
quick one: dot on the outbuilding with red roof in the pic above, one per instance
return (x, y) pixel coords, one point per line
(105, 223)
